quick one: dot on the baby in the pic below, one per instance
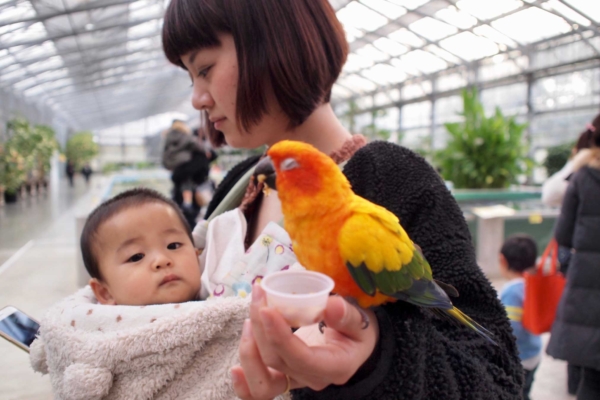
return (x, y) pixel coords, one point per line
(136, 329)
(138, 249)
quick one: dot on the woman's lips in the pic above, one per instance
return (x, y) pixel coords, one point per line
(218, 123)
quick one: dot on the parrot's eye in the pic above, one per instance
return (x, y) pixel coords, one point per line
(288, 163)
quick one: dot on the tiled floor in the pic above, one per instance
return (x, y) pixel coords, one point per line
(46, 271)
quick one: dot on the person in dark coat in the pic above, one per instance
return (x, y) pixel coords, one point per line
(86, 171)
(186, 158)
(70, 171)
(576, 330)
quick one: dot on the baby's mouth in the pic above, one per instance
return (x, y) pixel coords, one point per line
(169, 278)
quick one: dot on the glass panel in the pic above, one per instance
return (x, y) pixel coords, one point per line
(567, 12)
(455, 17)
(564, 91)
(449, 82)
(432, 29)
(512, 99)
(406, 37)
(518, 26)
(416, 90)
(589, 8)
(384, 74)
(424, 61)
(485, 10)
(385, 7)
(416, 115)
(390, 47)
(358, 16)
(469, 46)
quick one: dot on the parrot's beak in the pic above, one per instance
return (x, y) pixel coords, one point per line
(265, 172)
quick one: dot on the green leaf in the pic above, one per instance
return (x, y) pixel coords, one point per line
(483, 152)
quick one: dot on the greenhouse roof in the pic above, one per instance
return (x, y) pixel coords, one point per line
(99, 63)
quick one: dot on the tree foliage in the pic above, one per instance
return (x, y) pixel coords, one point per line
(482, 152)
(81, 149)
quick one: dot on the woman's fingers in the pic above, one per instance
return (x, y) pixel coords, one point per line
(345, 319)
(258, 378)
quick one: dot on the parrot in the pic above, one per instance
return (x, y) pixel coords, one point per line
(360, 245)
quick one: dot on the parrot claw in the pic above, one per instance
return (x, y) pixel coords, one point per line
(322, 326)
(363, 316)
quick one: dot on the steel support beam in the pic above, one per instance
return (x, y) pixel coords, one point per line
(80, 8)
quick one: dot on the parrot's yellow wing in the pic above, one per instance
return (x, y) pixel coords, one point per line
(378, 252)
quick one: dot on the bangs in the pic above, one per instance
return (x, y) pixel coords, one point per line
(192, 25)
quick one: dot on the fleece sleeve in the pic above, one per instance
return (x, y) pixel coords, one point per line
(432, 358)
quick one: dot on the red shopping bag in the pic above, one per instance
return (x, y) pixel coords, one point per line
(542, 293)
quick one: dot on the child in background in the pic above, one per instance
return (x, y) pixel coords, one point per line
(518, 254)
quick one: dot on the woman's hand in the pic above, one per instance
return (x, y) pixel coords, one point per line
(269, 350)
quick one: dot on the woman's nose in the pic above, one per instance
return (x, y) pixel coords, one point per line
(201, 99)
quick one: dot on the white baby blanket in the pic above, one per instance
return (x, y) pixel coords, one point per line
(170, 351)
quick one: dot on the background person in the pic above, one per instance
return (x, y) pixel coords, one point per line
(576, 331)
(517, 255)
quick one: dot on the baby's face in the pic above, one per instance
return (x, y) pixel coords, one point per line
(146, 257)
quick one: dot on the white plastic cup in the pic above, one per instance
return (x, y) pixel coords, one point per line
(300, 296)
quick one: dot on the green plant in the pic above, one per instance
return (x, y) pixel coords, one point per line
(482, 152)
(81, 149)
(557, 157)
(12, 168)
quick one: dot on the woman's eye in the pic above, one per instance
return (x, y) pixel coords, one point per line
(174, 246)
(136, 257)
(204, 72)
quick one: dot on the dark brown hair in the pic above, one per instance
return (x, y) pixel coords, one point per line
(121, 202)
(589, 137)
(595, 131)
(295, 48)
(520, 252)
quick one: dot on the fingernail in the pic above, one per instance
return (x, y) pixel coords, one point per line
(234, 378)
(345, 314)
(266, 319)
(257, 293)
(247, 329)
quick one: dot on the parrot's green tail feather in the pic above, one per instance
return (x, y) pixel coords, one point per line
(457, 315)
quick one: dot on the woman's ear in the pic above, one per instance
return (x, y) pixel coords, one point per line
(102, 292)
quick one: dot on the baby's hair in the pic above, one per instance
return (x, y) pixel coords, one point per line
(111, 207)
(520, 252)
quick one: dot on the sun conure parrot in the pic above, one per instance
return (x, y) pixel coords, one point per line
(360, 245)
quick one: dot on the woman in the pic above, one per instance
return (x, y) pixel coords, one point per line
(576, 330)
(262, 71)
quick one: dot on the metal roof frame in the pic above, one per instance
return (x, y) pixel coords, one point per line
(92, 41)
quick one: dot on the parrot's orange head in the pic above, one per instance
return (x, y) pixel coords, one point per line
(304, 173)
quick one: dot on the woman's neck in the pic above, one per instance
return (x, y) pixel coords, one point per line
(322, 129)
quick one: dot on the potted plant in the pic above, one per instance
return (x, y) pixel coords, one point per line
(12, 172)
(483, 152)
(45, 147)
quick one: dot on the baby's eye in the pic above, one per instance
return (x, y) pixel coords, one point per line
(136, 257)
(174, 246)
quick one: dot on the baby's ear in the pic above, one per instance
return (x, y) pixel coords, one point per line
(102, 292)
(198, 252)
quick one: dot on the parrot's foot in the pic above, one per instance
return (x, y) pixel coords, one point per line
(363, 316)
(322, 326)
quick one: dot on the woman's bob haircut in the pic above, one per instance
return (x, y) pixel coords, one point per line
(296, 48)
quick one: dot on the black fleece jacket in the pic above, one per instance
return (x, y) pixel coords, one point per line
(420, 356)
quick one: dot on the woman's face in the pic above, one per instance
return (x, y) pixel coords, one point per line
(214, 74)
